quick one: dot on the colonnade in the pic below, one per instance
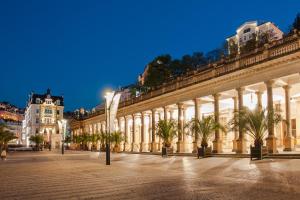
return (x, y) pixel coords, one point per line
(139, 129)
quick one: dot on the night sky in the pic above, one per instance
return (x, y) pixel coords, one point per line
(78, 48)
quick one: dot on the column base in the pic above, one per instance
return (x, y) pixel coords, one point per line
(134, 147)
(241, 146)
(180, 147)
(143, 147)
(217, 146)
(127, 147)
(234, 145)
(271, 144)
(153, 147)
(297, 141)
(289, 144)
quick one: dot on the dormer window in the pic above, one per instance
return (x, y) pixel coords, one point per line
(58, 102)
(38, 101)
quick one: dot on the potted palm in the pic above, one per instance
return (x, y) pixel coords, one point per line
(166, 130)
(94, 138)
(102, 138)
(204, 129)
(116, 138)
(255, 123)
(38, 140)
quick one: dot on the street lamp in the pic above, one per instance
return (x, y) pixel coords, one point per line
(109, 100)
(63, 123)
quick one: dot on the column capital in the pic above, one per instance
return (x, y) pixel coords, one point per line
(258, 92)
(216, 95)
(197, 100)
(180, 105)
(153, 110)
(240, 89)
(269, 83)
(287, 87)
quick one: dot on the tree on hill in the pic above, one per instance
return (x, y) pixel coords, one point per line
(296, 23)
(158, 71)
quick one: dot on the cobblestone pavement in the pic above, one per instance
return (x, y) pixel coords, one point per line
(82, 175)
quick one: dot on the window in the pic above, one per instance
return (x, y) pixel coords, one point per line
(36, 130)
(37, 101)
(48, 111)
(247, 30)
(37, 111)
(58, 102)
(36, 120)
(57, 112)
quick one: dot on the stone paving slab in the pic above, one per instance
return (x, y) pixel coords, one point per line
(83, 175)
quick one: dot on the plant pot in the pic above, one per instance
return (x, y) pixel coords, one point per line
(116, 148)
(165, 151)
(204, 152)
(258, 152)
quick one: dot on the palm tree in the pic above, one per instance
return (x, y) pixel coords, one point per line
(5, 136)
(85, 140)
(102, 138)
(116, 138)
(79, 140)
(204, 128)
(94, 138)
(38, 140)
(167, 131)
(255, 123)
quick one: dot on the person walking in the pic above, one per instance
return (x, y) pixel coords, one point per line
(3, 154)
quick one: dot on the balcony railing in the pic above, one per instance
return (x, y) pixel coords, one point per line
(222, 67)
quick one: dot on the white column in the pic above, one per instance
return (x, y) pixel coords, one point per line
(288, 139)
(217, 143)
(241, 142)
(197, 107)
(271, 139)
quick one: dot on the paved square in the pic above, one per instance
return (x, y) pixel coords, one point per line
(82, 175)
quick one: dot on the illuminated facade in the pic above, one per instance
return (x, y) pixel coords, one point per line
(251, 29)
(43, 115)
(12, 117)
(268, 79)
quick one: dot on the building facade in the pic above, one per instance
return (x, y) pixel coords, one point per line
(44, 115)
(12, 116)
(251, 29)
(268, 78)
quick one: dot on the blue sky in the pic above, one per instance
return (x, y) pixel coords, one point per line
(78, 48)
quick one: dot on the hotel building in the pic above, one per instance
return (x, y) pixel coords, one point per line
(43, 115)
(267, 77)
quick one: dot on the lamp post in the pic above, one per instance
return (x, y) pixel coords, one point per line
(109, 99)
(63, 127)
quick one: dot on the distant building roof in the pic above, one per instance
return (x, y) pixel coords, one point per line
(43, 97)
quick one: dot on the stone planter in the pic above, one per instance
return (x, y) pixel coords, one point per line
(258, 152)
(204, 152)
(166, 151)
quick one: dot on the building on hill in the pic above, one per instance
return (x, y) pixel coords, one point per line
(44, 116)
(12, 116)
(251, 29)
